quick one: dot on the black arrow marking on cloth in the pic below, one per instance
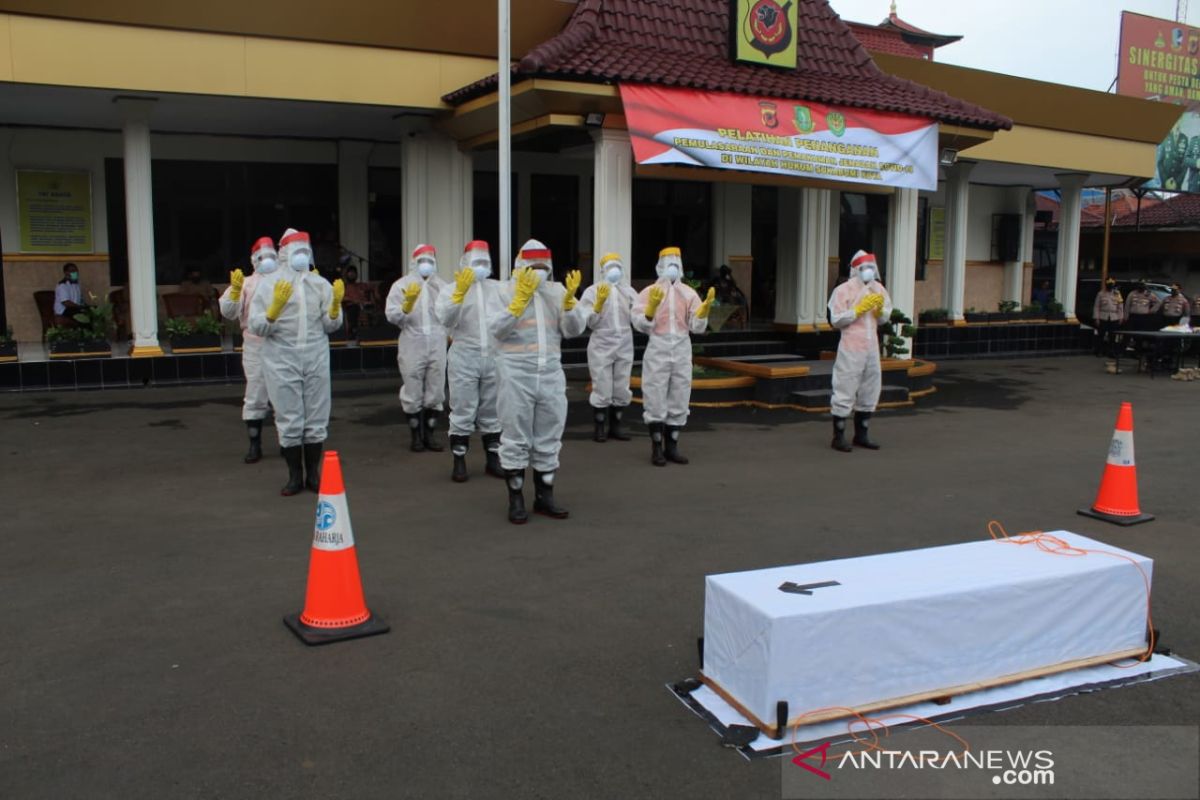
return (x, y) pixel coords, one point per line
(796, 588)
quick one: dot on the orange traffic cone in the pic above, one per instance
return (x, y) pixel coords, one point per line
(1117, 500)
(334, 608)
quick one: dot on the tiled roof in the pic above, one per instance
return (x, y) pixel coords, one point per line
(1180, 211)
(685, 43)
(881, 41)
(894, 21)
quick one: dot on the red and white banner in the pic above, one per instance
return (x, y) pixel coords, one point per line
(722, 130)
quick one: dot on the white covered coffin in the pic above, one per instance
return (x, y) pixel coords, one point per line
(914, 622)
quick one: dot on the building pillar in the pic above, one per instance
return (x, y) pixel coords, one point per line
(139, 225)
(354, 232)
(731, 225)
(612, 228)
(901, 273)
(1067, 262)
(958, 187)
(1014, 271)
(437, 201)
(802, 258)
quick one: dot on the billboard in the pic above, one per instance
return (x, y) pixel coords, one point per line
(797, 138)
(764, 32)
(1160, 60)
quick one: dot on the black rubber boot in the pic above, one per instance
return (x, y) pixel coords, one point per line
(614, 425)
(459, 445)
(601, 419)
(671, 445)
(543, 496)
(313, 454)
(491, 444)
(295, 464)
(862, 436)
(430, 416)
(414, 426)
(516, 497)
(254, 431)
(657, 434)
(839, 435)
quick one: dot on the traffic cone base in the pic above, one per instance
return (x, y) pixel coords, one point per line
(314, 636)
(1116, 518)
(334, 607)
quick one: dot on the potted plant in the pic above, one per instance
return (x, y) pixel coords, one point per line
(1033, 313)
(8, 346)
(973, 316)
(201, 336)
(1007, 311)
(933, 316)
(63, 341)
(896, 331)
(90, 337)
(1054, 311)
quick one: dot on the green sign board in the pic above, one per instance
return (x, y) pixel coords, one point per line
(55, 211)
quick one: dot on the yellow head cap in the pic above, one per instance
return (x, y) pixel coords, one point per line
(608, 258)
(670, 251)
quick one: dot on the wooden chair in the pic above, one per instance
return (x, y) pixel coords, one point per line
(45, 306)
(188, 306)
(119, 299)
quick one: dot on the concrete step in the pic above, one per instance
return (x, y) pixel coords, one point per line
(821, 398)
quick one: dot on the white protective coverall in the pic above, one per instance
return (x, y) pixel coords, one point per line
(264, 259)
(856, 373)
(471, 364)
(667, 363)
(610, 347)
(532, 397)
(295, 350)
(421, 349)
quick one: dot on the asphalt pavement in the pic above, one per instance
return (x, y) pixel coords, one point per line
(145, 572)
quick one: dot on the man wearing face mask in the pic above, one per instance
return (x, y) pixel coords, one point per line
(470, 364)
(855, 308)
(294, 311)
(1141, 309)
(421, 351)
(1107, 310)
(235, 304)
(68, 297)
(1176, 306)
(668, 311)
(610, 347)
(528, 317)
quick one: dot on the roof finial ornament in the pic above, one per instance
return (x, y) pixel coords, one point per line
(893, 12)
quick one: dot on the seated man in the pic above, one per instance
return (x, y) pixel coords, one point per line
(68, 297)
(358, 296)
(195, 283)
(729, 294)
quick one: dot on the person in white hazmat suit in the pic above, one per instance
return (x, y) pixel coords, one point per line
(668, 311)
(855, 309)
(421, 349)
(529, 315)
(235, 305)
(294, 310)
(471, 364)
(610, 347)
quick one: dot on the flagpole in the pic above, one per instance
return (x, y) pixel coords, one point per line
(505, 144)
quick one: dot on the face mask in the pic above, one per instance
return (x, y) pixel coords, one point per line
(73, 277)
(867, 274)
(671, 273)
(613, 275)
(425, 269)
(481, 272)
(300, 261)
(267, 265)
(543, 273)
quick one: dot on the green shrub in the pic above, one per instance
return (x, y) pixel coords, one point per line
(208, 324)
(179, 327)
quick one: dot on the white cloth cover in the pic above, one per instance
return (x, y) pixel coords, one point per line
(916, 621)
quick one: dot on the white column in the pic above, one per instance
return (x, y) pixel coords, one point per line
(139, 225)
(958, 186)
(436, 201)
(1014, 271)
(802, 261)
(1067, 261)
(731, 233)
(901, 272)
(354, 233)
(612, 228)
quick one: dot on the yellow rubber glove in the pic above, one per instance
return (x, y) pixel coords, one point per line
(463, 279)
(1118, 297)
(865, 305)
(527, 281)
(339, 291)
(236, 278)
(706, 306)
(410, 297)
(574, 278)
(656, 296)
(602, 293)
(279, 299)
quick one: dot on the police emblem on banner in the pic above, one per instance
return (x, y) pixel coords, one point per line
(764, 32)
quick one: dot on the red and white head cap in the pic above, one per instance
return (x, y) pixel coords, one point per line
(424, 260)
(263, 248)
(863, 260)
(533, 253)
(476, 254)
